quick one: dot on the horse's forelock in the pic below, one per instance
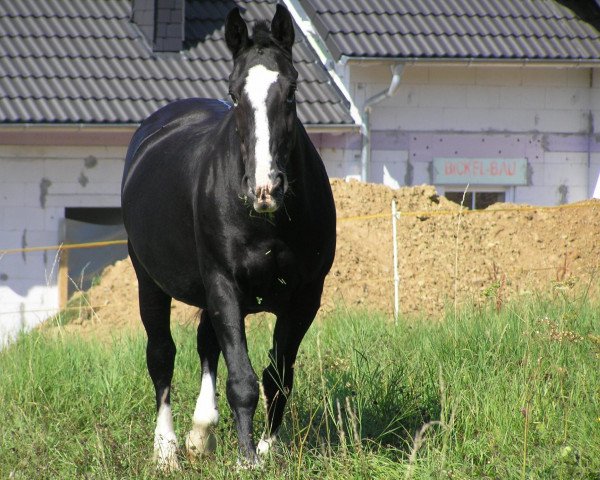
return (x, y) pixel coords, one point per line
(262, 36)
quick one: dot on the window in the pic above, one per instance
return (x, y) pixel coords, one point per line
(476, 200)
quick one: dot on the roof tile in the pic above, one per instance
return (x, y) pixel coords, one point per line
(83, 61)
(499, 29)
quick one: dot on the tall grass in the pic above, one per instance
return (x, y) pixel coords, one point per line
(482, 394)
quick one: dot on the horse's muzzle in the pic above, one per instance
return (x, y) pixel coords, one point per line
(268, 198)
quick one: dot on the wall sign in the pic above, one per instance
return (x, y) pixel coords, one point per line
(480, 171)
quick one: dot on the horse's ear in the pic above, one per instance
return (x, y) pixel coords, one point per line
(282, 27)
(236, 31)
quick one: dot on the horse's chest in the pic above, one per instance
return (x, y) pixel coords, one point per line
(268, 273)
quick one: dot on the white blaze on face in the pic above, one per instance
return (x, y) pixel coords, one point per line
(258, 82)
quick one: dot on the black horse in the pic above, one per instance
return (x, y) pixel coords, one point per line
(228, 207)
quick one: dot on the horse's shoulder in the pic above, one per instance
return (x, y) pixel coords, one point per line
(180, 114)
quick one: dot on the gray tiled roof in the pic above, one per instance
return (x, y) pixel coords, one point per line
(83, 61)
(486, 29)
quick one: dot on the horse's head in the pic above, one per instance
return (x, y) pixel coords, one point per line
(262, 87)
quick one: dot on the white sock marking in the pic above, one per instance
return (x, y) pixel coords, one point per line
(265, 444)
(206, 412)
(201, 440)
(165, 441)
(258, 82)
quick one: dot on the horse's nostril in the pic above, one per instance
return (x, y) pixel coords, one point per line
(280, 182)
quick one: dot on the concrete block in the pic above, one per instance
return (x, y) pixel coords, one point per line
(452, 75)
(555, 174)
(570, 98)
(545, 77)
(86, 187)
(483, 97)
(535, 195)
(35, 192)
(389, 156)
(82, 200)
(408, 119)
(442, 96)
(595, 78)
(387, 173)
(53, 217)
(64, 171)
(499, 76)
(42, 238)
(406, 96)
(568, 159)
(106, 170)
(334, 163)
(12, 193)
(421, 173)
(33, 269)
(20, 218)
(579, 77)
(538, 174)
(369, 71)
(562, 121)
(577, 193)
(415, 75)
(17, 171)
(10, 239)
(522, 97)
(494, 119)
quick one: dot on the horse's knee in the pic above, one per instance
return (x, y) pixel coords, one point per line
(243, 391)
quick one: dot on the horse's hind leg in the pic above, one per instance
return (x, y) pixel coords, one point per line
(155, 309)
(201, 439)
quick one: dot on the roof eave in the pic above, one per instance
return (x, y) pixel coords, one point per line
(477, 61)
(337, 128)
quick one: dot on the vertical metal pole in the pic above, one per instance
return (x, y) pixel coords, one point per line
(396, 276)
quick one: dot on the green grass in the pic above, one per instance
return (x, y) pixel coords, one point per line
(505, 395)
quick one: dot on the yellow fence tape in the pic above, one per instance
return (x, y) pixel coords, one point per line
(375, 216)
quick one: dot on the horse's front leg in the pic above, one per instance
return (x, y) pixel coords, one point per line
(201, 439)
(278, 377)
(242, 383)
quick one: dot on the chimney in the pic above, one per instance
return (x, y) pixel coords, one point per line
(162, 22)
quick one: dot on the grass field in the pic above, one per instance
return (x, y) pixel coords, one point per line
(483, 394)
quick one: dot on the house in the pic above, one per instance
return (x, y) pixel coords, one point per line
(497, 95)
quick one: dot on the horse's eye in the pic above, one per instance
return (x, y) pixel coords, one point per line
(291, 96)
(233, 99)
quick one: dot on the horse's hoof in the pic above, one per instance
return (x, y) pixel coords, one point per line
(266, 445)
(199, 444)
(167, 466)
(165, 455)
(249, 463)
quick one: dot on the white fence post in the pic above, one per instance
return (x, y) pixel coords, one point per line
(396, 276)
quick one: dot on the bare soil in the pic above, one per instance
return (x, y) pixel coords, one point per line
(447, 257)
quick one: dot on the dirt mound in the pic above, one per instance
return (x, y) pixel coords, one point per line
(444, 254)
